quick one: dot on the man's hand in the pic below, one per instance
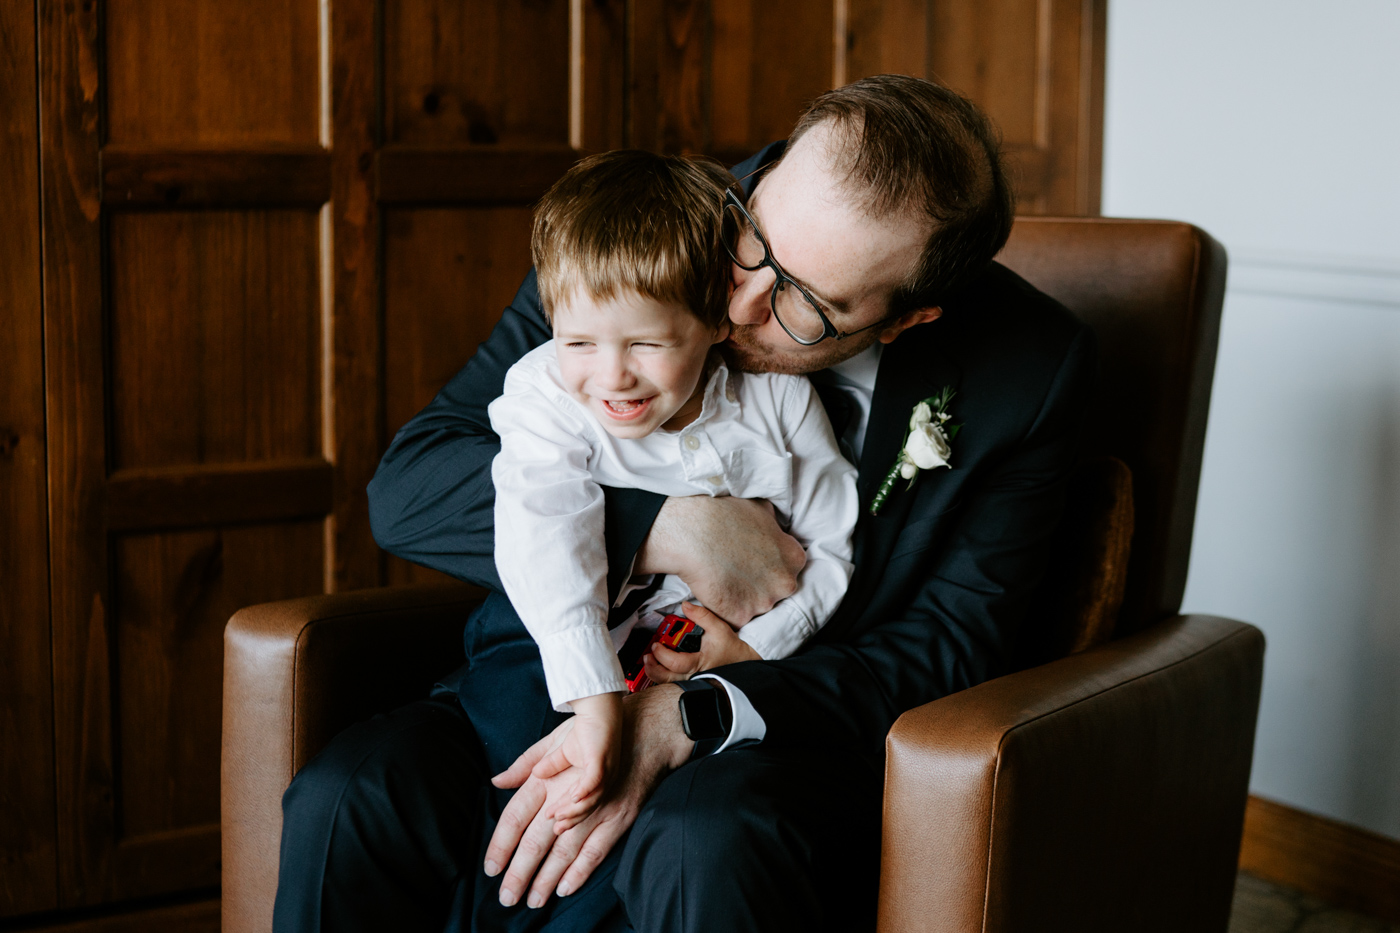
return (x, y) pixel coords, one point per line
(525, 838)
(591, 750)
(719, 646)
(730, 552)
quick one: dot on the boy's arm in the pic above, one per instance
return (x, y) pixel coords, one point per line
(431, 500)
(823, 511)
(549, 551)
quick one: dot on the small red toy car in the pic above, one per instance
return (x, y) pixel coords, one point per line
(675, 632)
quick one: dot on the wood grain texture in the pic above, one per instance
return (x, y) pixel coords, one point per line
(173, 178)
(200, 916)
(476, 71)
(27, 846)
(212, 74)
(352, 356)
(1343, 865)
(603, 97)
(221, 494)
(1036, 68)
(468, 176)
(215, 337)
(173, 594)
(726, 77)
(69, 110)
(447, 276)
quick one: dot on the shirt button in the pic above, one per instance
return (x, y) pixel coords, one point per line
(730, 394)
(716, 480)
(692, 442)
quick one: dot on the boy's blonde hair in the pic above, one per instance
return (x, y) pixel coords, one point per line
(631, 220)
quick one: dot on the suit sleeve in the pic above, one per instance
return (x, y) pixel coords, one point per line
(955, 630)
(432, 500)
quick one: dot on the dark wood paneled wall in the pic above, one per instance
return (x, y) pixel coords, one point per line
(271, 230)
(28, 851)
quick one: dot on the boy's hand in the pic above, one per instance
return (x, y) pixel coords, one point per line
(720, 645)
(593, 746)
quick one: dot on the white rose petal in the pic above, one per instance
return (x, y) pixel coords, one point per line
(907, 470)
(922, 416)
(927, 447)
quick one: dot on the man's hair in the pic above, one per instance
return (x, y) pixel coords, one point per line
(635, 221)
(910, 144)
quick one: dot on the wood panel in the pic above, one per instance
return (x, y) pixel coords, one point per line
(211, 75)
(448, 274)
(27, 846)
(134, 177)
(1343, 865)
(726, 77)
(476, 72)
(173, 593)
(215, 337)
(73, 353)
(1034, 66)
(201, 916)
(350, 255)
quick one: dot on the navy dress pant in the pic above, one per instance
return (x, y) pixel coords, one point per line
(386, 828)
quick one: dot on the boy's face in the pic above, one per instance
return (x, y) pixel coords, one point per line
(634, 361)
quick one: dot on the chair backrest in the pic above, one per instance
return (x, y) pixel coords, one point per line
(1152, 291)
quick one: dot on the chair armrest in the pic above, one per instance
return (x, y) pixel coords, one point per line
(296, 673)
(1101, 792)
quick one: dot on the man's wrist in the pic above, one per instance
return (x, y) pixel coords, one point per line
(662, 711)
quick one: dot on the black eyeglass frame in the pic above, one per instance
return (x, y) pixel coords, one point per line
(781, 278)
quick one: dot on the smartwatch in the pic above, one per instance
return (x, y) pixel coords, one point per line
(705, 715)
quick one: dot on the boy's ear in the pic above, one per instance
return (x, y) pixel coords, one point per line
(721, 332)
(907, 320)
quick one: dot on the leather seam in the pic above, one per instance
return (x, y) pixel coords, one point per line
(1001, 744)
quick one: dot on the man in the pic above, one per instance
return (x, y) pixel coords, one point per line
(878, 221)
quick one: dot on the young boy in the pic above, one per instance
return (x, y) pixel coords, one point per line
(632, 392)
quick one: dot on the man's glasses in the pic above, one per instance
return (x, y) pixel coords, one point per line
(793, 306)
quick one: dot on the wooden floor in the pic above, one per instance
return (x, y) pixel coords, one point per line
(1263, 907)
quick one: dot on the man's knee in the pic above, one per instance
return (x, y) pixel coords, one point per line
(406, 758)
(708, 827)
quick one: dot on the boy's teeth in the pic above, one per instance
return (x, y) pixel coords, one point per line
(622, 406)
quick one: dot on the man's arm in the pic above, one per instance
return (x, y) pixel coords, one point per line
(955, 631)
(431, 500)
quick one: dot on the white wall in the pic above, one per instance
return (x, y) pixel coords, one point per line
(1275, 126)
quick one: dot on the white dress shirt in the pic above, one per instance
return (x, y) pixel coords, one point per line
(758, 436)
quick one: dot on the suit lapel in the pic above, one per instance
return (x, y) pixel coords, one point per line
(911, 369)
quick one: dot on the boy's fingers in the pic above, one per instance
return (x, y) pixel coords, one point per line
(520, 769)
(551, 764)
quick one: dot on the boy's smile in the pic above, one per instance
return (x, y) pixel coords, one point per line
(635, 362)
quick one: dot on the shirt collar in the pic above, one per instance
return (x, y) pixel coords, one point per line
(718, 396)
(860, 370)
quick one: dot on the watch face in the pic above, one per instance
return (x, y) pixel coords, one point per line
(700, 714)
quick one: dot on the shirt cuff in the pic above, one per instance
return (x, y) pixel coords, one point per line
(580, 662)
(748, 727)
(777, 633)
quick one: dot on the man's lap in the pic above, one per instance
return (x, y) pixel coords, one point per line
(789, 838)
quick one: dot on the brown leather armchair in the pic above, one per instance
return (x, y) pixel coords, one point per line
(1103, 791)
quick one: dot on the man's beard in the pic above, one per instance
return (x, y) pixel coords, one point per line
(742, 351)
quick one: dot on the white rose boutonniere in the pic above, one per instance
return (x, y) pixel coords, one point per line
(926, 445)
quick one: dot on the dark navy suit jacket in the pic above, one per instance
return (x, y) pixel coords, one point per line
(943, 574)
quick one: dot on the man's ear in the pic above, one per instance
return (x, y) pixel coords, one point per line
(907, 320)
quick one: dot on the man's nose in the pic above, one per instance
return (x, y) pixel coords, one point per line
(750, 304)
